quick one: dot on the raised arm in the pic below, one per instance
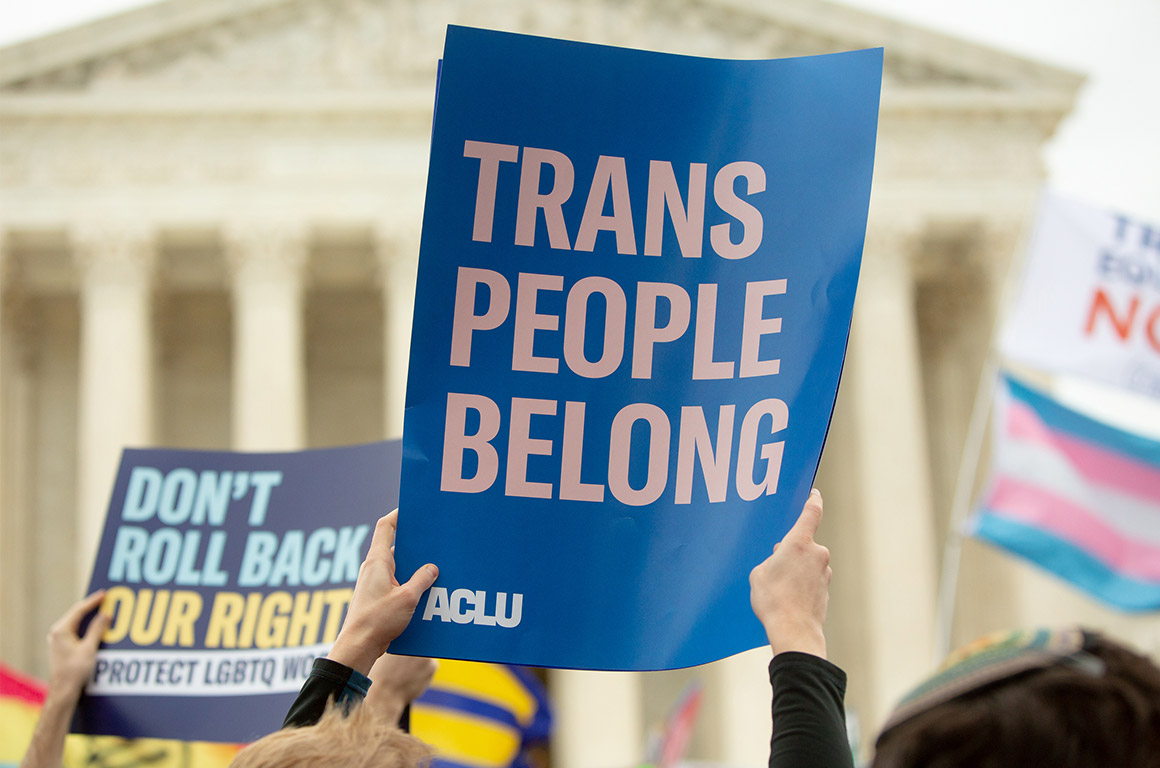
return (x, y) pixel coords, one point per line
(398, 680)
(379, 611)
(790, 592)
(71, 657)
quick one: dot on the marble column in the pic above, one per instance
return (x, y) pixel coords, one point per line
(115, 264)
(597, 719)
(4, 540)
(267, 263)
(887, 476)
(1028, 595)
(959, 315)
(398, 265)
(739, 694)
(12, 605)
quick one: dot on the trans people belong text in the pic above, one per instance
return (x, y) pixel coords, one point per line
(657, 313)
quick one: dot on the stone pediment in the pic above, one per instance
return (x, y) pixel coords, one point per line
(366, 45)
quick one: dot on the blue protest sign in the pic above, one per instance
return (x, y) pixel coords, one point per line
(227, 573)
(634, 292)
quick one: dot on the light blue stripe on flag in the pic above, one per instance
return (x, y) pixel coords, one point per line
(1062, 418)
(1068, 562)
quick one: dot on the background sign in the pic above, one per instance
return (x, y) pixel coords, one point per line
(227, 574)
(634, 293)
(1090, 300)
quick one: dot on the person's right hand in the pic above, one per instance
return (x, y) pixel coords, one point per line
(396, 681)
(380, 607)
(790, 590)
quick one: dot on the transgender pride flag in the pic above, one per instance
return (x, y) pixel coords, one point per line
(1074, 496)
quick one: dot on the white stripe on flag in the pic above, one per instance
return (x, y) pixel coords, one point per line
(1042, 466)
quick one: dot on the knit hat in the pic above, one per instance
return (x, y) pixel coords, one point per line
(996, 659)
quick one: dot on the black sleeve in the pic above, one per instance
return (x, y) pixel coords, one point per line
(809, 720)
(327, 680)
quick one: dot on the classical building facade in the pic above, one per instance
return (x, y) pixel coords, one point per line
(209, 222)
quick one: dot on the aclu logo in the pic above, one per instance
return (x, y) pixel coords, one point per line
(465, 606)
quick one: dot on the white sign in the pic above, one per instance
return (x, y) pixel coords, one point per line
(202, 673)
(1090, 300)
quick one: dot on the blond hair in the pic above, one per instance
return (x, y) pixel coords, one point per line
(358, 740)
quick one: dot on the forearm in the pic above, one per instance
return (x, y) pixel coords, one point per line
(47, 746)
(389, 709)
(801, 636)
(354, 649)
(809, 721)
(328, 680)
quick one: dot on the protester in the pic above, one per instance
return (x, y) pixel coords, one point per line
(790, 592)
(379, 611)
(368, 735)
(324, 724)
(1065, 698)
(357, 738)
(71, 657)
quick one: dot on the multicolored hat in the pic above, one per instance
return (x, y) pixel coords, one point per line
(995, 659)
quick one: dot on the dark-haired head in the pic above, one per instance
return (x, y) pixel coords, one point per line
(1098, 705)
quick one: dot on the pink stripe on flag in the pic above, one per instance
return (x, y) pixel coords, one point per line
(1073, 523)
(1099, 465)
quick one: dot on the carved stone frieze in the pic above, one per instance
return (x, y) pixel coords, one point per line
(359, 44)
(152, 150)
(113, 250)
(958, 150)
(106, 151)
(266, 249)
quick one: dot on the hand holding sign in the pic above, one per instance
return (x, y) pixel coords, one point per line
(381, 607)
(71, 656)
(790, 590)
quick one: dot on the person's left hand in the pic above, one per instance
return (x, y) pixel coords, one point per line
(71, 656)
(381, 607)
(396, 682)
